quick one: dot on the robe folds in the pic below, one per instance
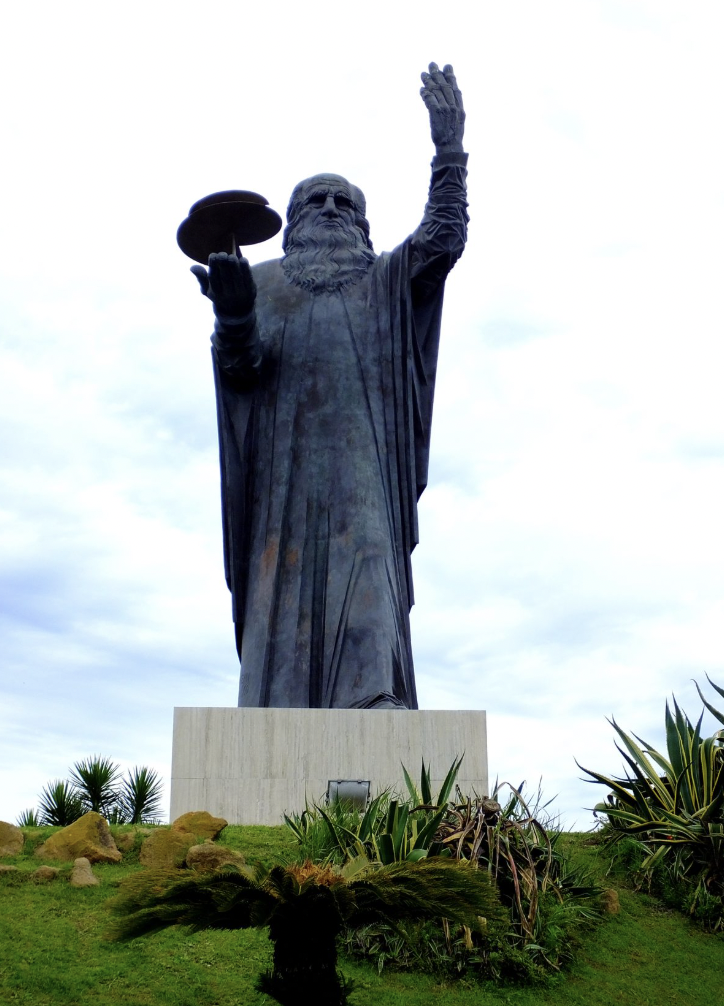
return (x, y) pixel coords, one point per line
(324, 408)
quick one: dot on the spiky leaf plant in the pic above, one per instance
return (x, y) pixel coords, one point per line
(306, 908)
(28, 819)
(139, 796)
(390, 830)
(59, 804)
(96, 780)
(673, 804)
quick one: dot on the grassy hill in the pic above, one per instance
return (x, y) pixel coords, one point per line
(52, 952)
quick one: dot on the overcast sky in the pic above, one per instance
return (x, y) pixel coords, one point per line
(571, 564)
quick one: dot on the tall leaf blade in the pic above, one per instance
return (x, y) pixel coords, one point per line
(449, 781)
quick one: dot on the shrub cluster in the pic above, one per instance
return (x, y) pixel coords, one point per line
(544, 903)
(97, 784)
(665, 816)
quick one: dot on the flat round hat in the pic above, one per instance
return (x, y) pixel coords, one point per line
(223, 220)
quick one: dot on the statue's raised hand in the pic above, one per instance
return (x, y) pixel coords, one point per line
(228, 283)
(444, 102)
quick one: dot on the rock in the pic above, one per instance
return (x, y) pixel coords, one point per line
(44, 874)
(8, 869)
(82, 875)
(88, 837)
(125, 840)
(165, 848)
(11, 839)
(610, 903)
(200, 824)
(207, 857)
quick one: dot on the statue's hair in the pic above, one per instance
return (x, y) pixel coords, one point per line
(296, 202)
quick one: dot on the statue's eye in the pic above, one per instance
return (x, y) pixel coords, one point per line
(318, 199)
(342, 202)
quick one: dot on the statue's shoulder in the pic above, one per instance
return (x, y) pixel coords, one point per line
(268, 273)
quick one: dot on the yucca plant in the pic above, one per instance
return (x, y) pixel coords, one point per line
(139, 796)
(674, 804)
(28, 819)
(96, 780)
(306, 907)
(59, 804)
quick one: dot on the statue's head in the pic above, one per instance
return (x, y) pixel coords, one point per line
(326, 240)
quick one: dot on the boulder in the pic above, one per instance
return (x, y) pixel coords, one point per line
(88, 837)
(44, 874)
(200, 824)
(82, 875)
(8, 869)
(165, 849)
(11, 839)
(207, 857)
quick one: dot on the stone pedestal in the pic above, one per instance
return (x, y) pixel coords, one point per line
(252, 765)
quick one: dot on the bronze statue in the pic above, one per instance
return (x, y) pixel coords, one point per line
(325, 371)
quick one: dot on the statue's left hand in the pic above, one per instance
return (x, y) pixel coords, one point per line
(444, 102)
(228, 283)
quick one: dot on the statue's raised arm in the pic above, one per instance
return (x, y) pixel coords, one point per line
(439, 241)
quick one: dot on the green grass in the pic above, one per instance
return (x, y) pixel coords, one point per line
(52, 952)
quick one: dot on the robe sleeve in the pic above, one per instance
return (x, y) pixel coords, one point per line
(432, 251)
(237, 349)
(438, 242)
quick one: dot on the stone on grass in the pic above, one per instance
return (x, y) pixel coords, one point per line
(200, 824)
(88, 837)
(82, 875)
(4, 868)
(11, 839)
(207, 857)
(610, 903)
(165, 849)
(44, 874)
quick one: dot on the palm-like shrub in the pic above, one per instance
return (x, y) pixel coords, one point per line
(59, 804)
(139, 796)
(673, 805)
(96, 784)
(96, 780)
(306, 907)
(28, 819)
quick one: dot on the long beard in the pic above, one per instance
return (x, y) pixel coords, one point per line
(323, 258)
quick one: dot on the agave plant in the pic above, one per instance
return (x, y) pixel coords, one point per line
(390, 830)
(59, 804)
(674, 803)
(306, 907)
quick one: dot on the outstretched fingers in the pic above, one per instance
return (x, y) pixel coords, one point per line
(440, 88)
(449, 75)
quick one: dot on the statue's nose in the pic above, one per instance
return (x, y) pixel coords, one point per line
(330, 208)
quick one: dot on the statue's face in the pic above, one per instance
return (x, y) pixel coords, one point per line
(327, 203)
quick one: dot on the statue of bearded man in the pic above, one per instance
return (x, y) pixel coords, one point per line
(325, 370)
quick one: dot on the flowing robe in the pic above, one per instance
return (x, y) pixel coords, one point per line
(325, 404)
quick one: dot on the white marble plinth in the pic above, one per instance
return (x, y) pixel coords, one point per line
(251, 765)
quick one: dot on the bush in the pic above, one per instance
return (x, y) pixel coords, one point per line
(96, 784)
(546, 901)
(670, 811)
